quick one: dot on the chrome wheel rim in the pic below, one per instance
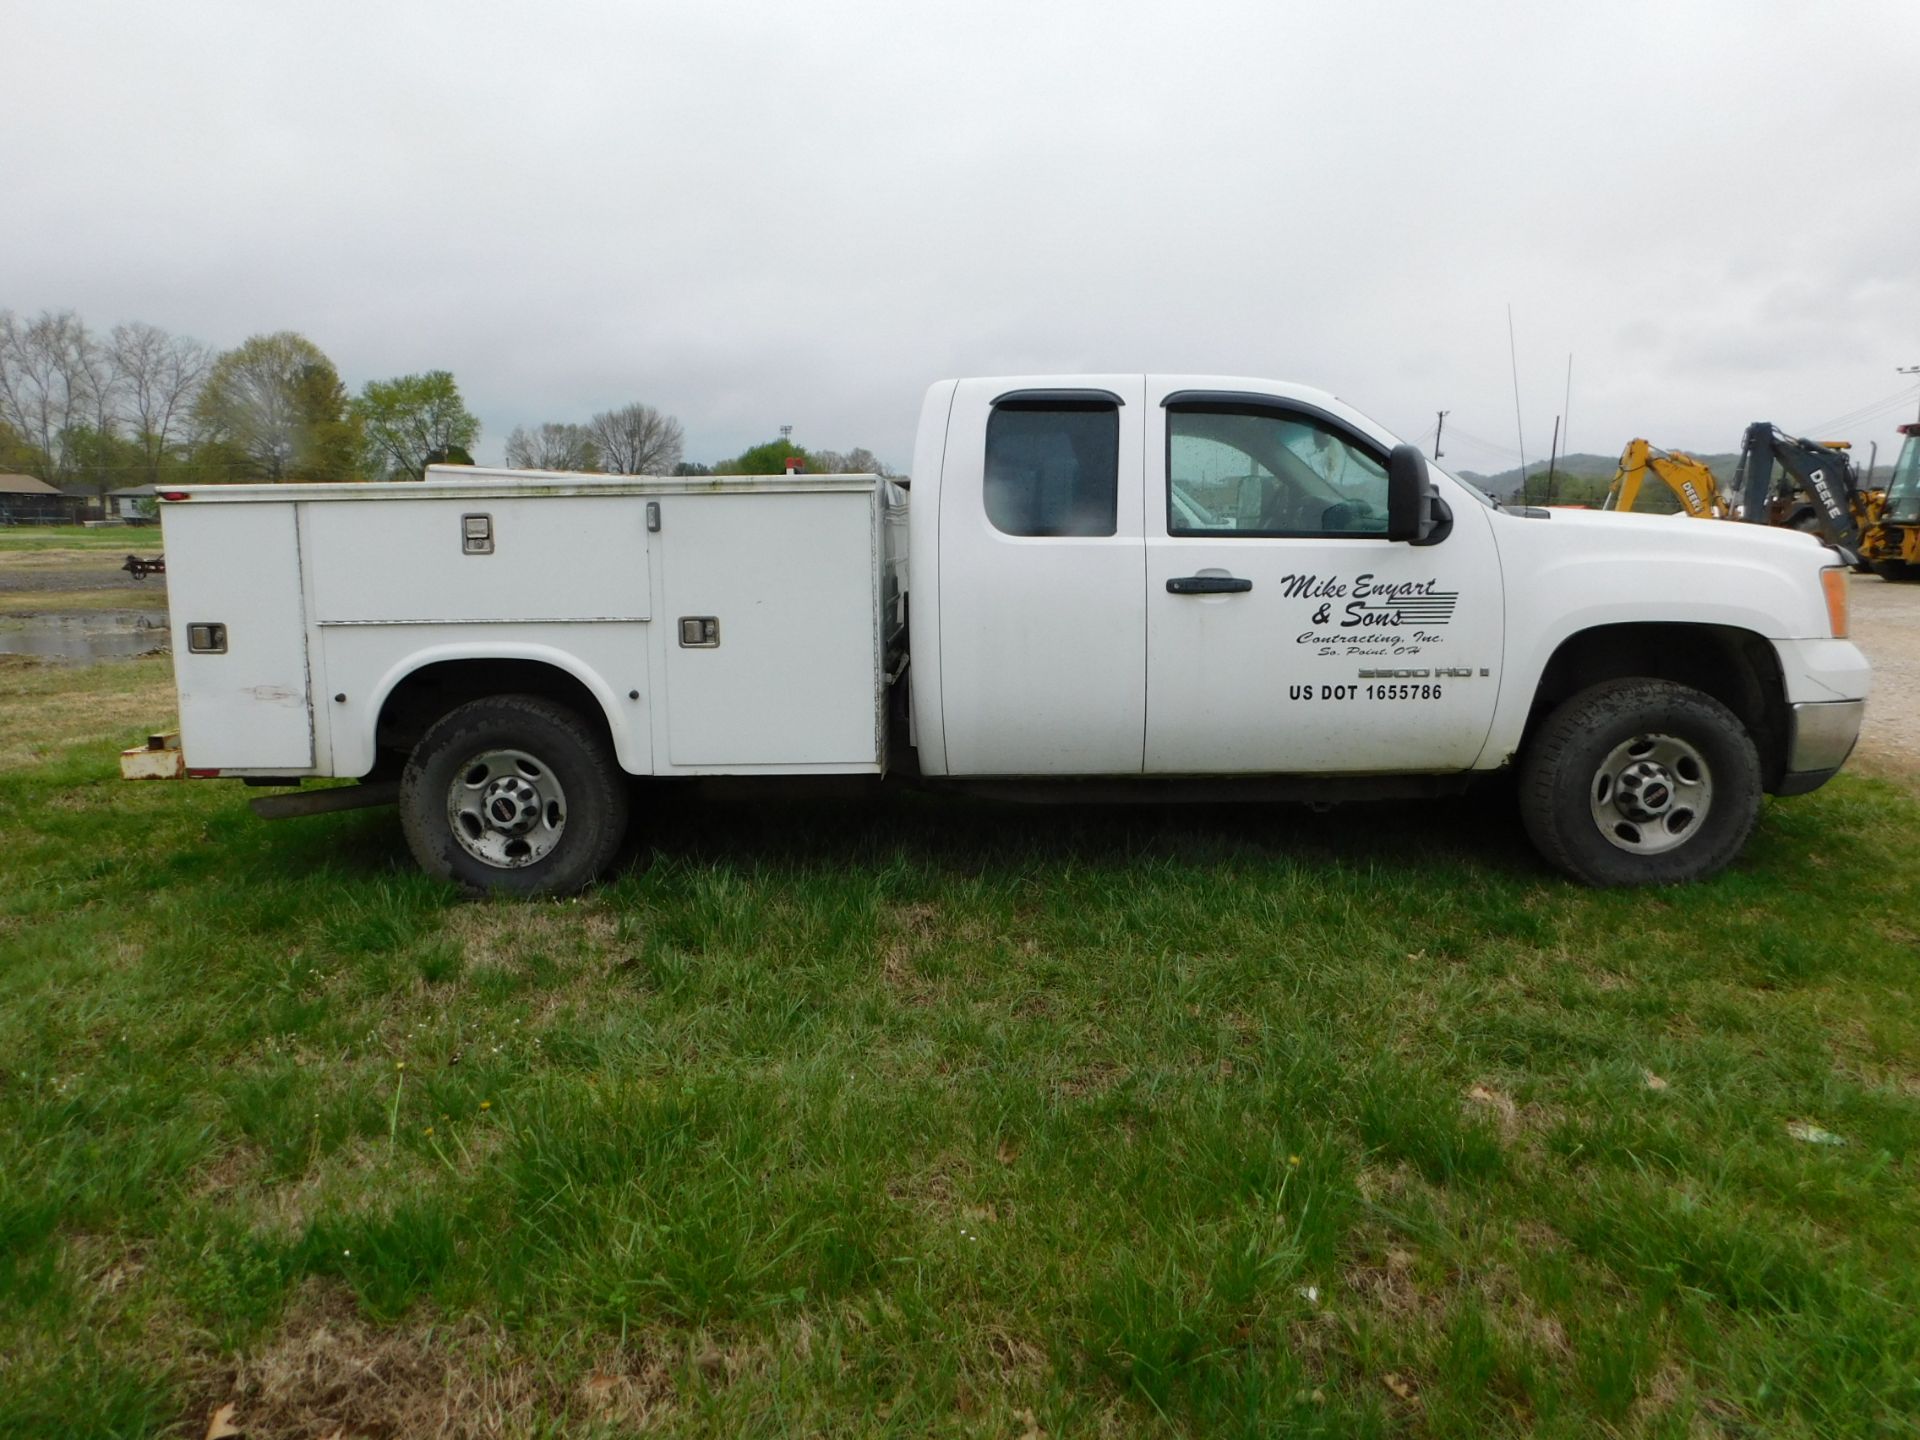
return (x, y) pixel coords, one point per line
(506, 808)
(1651, 794)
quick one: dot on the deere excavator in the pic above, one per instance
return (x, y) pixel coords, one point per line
(1787, 480)
(1690, 480)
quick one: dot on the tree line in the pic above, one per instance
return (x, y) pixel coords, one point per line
(639, 440)
(139, 405)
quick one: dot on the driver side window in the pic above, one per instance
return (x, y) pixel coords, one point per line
(1261, 473)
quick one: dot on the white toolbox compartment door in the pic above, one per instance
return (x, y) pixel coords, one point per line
(791, 675)
(238, 566)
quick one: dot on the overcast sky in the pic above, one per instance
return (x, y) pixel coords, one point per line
(762, 214)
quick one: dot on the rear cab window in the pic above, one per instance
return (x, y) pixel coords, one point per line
(1053, 467)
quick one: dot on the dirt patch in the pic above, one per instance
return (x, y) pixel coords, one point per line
(500, 934)
(327, 1372)
(582, 938)
(42, 711)
(1381, 1284)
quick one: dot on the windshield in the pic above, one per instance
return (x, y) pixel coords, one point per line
(1903, 490)
(1467, 485)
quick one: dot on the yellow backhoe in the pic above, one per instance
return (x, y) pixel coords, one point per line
(1690, 480)
(1799, 484)
(1893, 544)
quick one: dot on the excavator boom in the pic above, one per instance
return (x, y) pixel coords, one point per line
(1691, 481)
(1821, 473)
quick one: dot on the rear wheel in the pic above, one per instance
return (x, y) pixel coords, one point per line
(1640, 782)
(516, 794)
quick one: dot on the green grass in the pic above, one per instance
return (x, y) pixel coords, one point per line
(112, 539)
(928, 1117)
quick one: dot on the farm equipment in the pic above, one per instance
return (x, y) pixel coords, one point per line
(140, 569)
(1892, 546)
(1814, 490)
(1798, 484)
(1690, 480)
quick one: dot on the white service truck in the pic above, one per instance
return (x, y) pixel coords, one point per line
(1099, 585)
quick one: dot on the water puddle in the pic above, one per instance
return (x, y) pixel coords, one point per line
(84, 639)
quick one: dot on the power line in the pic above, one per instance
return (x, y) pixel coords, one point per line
(1872, 408)
(1908, 370)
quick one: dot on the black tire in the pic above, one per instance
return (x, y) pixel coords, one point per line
(1595, 777)
(1897, 571)
(549, 774)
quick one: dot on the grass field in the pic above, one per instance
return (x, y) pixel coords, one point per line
(925, 1117)
(109, 539)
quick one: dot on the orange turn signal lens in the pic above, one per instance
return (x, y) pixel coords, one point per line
(1833, 580)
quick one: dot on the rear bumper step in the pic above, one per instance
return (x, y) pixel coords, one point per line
(159, 759)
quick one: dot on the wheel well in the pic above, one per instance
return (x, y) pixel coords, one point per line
(432, 690)
(1736, 667)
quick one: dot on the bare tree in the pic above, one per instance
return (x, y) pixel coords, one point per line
(857, 461)
(636, 440)
(50, 378)
(861, 461)
(159, 376)
(552, 447)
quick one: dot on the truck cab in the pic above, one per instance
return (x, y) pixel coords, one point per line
(1188, 576)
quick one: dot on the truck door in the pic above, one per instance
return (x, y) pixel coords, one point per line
(1285, 633)
(1042, 616)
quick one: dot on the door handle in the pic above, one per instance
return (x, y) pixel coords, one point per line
(1207, 585)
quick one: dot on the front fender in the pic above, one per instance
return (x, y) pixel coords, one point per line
(1608, 570)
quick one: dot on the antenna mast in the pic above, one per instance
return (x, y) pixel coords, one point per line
(1513, 358)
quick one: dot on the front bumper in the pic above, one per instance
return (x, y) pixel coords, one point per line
(1823, 736)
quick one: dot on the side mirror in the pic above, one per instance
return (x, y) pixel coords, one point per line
(1415, 511)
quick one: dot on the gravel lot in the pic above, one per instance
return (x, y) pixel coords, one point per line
(51, 572)
(1886, 624)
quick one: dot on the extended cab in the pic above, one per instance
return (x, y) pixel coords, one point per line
(1177, 586)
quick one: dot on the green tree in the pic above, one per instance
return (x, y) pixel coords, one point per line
(277, 403)
(17, 457)
(768, 459)
(103, 460)
(414, 421)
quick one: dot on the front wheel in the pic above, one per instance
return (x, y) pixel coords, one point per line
(514, 794)
(1640, 782)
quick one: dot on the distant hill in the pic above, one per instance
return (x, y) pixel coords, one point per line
(1582, 479)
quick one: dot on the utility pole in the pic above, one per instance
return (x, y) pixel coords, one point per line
(1908, 370)
(1439, 425)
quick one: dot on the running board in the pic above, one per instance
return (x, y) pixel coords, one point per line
(325, 802)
